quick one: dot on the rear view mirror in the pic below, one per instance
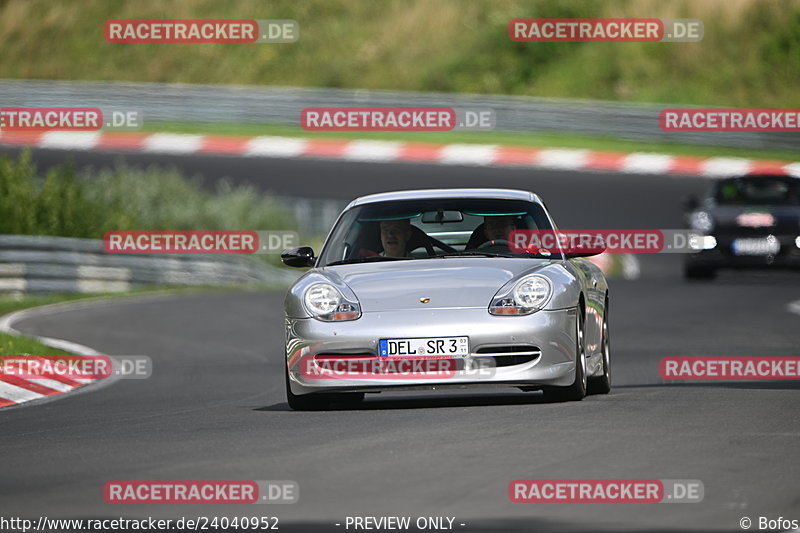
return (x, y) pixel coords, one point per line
(442, 217)
(302, 256)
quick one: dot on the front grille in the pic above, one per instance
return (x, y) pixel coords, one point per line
(510, 355)
(519, 349)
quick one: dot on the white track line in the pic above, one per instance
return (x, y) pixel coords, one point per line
(725, 166)
(267, 146)
(467, 154)
(17, 394)
(372, 151)
(77, 140)
(560, 158)
(51, 384)
(644, 163)
(22, 396)
(173, 143)
(365, 150)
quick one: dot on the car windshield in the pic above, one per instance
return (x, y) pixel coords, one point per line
(758, 190)
(433, 228)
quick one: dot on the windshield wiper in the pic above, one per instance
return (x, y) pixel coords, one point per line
(372, 259)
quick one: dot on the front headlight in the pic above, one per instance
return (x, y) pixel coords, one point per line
(527, 296)
(324, 302)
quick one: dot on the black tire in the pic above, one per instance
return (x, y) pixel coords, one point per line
(577, 391)
(699, 273)
(319, 402)
(602, 384)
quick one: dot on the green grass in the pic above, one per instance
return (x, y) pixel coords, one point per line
(18, 345)
(503, 138)
(63, 203)
(9, 304)
(747, 58)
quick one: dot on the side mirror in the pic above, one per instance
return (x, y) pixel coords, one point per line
(690, 202)
(302, 256)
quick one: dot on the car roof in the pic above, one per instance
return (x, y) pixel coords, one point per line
(433, 194)
(752, 177)
(763, 175)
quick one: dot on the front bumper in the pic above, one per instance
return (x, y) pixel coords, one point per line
(722, 256)
(547, 337)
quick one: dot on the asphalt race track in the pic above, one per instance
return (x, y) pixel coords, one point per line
(214, 407)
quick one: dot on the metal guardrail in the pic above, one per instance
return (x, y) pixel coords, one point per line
(314, 216)
(36, 264)
(282, 105)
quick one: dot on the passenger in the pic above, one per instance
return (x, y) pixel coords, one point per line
(498, 228)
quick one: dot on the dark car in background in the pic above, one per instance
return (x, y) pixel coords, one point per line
(750, 221)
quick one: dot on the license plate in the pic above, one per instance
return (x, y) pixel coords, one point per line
(766, 246)
(447, 346)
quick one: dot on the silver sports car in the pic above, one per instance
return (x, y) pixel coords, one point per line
(421, 290)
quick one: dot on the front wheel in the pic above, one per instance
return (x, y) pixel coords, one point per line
(577, 391)
(602, 384)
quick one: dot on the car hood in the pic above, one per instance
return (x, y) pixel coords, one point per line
(447, 282)
(747, 219)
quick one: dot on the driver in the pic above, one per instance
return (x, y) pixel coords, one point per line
(498, 228)
(394, 237)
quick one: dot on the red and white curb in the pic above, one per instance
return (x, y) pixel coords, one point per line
(396, 151)
(17, 390)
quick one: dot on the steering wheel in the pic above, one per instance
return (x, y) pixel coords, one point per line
(493, 242)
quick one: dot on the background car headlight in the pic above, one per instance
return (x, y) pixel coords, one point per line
(702, 242)
(527, 296)
(324, 302)
(702, 222)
